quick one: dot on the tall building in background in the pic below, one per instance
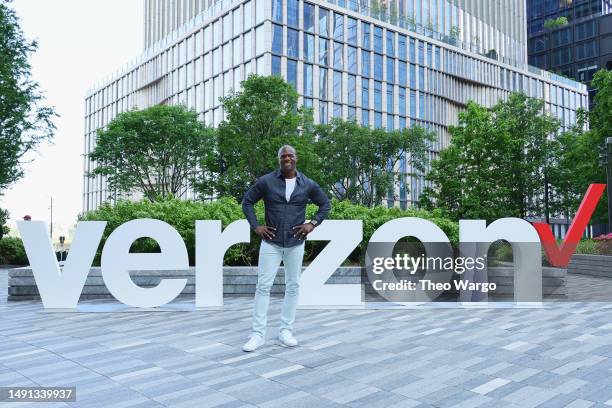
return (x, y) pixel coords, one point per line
(388, 64)
(577, 49)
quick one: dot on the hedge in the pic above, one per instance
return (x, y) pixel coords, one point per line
(12, 252)
(182, 214)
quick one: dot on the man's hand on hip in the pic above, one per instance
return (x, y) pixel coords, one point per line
(265, 232)
(301, 231)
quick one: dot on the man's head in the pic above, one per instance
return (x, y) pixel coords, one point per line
(287, 158)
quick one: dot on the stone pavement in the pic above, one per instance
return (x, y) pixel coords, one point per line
(559, 355)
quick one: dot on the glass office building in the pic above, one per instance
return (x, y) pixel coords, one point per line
(376, 63)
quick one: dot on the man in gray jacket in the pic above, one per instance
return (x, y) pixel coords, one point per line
(285, 192)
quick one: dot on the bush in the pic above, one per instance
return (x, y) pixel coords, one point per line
(182, 215)
(12, 252)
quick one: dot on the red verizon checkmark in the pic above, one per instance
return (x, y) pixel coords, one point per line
(560, 256)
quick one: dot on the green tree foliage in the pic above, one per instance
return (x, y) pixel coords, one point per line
(12, 252)
(579, 161)
(553, 23)
(360, 164)
(4, 217)
(497, 163)
(261, 118)
(156, 151)
(24, 121)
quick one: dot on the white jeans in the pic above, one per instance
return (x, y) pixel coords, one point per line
(270, 257)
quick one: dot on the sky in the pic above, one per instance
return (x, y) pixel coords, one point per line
(80, 42)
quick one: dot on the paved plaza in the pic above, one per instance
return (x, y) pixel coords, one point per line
(556, 356)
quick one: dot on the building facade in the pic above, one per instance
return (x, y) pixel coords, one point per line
(375, 63)
(577, 49)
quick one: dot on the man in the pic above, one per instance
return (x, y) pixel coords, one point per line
(285, 192)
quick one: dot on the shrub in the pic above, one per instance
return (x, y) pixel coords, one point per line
(182, 215)
(12, 252)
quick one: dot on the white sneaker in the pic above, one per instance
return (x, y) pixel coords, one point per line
(254, 343)
(286, 338)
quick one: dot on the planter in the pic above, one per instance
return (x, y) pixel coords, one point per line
(592, 265)
(241, 281)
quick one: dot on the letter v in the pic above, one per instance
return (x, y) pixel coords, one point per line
(560, 256)
(60, 289)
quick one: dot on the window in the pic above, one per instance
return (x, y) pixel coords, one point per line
(378, 67)
(365, 93)
(402, 101)
(323, 51)
(277, 39)
(352, 91)
(260, 36)
(377, 95)
(422, 106)
(338, 27)
(293, 43)
(292, 72)
(413, 104)
(365, 63)
(412, 50)
(421, 56)
(309, 47)
(365, 117)
(378, 39)
(337, 110)
(337, 86)
(248, 15)
(323, 22)
(338, 60)
(365, 35)
(293, 13)
(401, 73)
(351, 57)
(561, 37)
(390, 103)
(248, 45)
(390, 43)
(562, 56)
(586, 30)
(237, 50)
(323, 84)
(227, 56)
(401, 47)
(413, 76)
(276, 65)
(309, 17)
(323, 112)
(586, 50)
(390, 127)
(277, 11)
(308, 80)
(421, 78)
(237, 22)
(351, 31)
(377, 120)
(227, 27)
(390, 70)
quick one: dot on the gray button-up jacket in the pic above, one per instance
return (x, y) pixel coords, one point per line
(281, 214)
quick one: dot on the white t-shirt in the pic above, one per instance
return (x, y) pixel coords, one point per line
(289, 187)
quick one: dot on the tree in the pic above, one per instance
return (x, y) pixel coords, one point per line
(529, 133)
(361, 164)
(157, 151)
(466, 174)
(260, 119)
(24, 121)
(497, 164)
(4, 217)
